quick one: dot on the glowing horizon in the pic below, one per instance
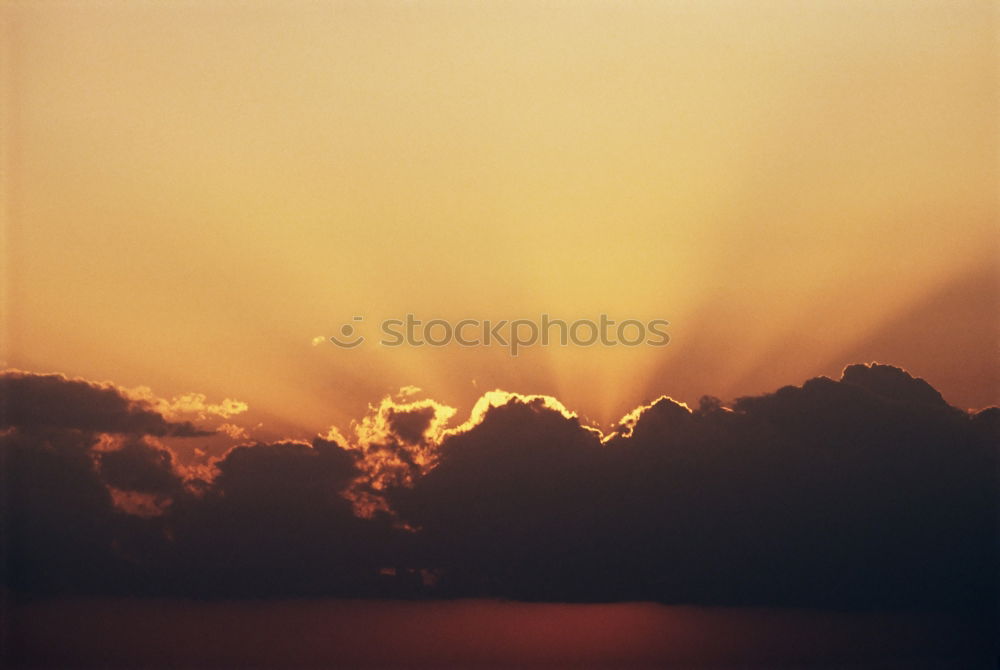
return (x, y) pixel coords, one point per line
(225, 439)
(195, 193)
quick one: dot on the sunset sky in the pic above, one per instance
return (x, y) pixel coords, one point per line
(194, 191)
(197, 197)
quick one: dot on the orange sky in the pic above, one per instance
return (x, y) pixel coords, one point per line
(195, 190)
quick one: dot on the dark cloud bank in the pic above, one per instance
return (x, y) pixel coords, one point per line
(867, 492)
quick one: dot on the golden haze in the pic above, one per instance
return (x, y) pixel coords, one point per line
(194, 191)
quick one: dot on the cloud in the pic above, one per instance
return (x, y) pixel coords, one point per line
(396, 441)
(233, 431)
(196, 404)
(275, 521)
(140, 466)
(862, 492)
(58, 516)
(282, 469)
(868, 490)
(30, 400)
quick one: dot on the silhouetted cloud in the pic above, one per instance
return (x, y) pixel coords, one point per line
(52, 401)
(275, 521)
(139, 466)
(867, 491)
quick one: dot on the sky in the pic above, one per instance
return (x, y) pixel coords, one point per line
(199, 197)
(195, 191)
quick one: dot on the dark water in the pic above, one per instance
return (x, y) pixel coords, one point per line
(471, 633)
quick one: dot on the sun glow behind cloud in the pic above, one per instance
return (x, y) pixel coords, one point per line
(202, 189)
